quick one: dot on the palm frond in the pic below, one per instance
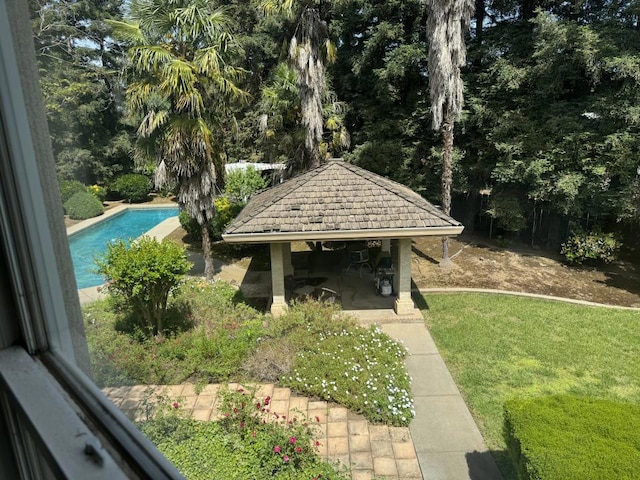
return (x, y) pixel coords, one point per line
(129, 32)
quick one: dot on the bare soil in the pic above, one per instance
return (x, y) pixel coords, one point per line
(479, 264)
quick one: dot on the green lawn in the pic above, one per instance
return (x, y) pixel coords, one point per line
(498, 347)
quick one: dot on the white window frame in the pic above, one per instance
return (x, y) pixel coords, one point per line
(60, 424)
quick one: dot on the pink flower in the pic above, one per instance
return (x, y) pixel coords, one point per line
(253, 434)
(175, 404)
(276, 449)
(317, 443)
(298, 449)
(285, 458)
(292, 440)
(267, 400)
(317, 418)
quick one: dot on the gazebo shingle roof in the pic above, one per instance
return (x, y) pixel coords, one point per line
(338, 201)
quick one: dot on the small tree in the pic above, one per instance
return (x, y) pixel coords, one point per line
(143, 274)
(241, 184)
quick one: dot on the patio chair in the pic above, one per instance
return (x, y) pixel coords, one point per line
(358, 258)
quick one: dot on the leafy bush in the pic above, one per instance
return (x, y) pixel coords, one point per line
(223, 334)
(226, 211)
(360, 368)
(573, 438)
(143, 274)
(595, 245)
(68, 188)
(132, 187)
(97, 191)
(243, 445)
(241, 184)
(83, 205)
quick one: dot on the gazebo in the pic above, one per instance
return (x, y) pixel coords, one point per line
(339, 202)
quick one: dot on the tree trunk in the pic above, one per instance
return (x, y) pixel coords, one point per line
(209, 269)
(447, 172)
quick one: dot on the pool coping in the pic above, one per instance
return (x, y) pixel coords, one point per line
(160, 231)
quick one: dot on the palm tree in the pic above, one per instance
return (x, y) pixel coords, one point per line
(306, 56)
(179, 52)
(447, 22)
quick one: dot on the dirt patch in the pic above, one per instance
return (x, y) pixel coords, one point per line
(479, 264)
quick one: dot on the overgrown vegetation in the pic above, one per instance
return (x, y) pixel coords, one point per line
(572, 438)
(246, 443)
(500, 347)
(211, 336)
(83, 205)
(597, 246)
(142, 275)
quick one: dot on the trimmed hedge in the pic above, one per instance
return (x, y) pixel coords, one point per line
(573, 438)
(132, 187)
(83, 205)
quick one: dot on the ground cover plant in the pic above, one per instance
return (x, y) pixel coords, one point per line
(248, 442)
(210, 335)
(501, 347)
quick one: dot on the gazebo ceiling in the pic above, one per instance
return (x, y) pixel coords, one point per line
(338, 201)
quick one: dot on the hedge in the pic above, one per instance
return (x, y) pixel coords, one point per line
(83, 205)
(132, 187)
(573, 438)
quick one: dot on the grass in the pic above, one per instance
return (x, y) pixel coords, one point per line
(500, 347)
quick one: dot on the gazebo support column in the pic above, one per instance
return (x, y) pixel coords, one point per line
(278, 301)
(404, 303)
(286, 259)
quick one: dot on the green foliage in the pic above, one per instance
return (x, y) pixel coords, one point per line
(573, 438)
(208, 334)
(499, 347)
(242, 445)
(97, 191)
(357, 367)
(226, 211)
(143, 274)
(83, 205)
(240, 184)
(133, 187)
(596, 245)
(70, 187)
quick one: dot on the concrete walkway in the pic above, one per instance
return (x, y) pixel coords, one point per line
(447, 441)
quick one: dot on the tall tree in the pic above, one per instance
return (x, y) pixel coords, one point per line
(307, 58)
(447, 23)
(180, 52)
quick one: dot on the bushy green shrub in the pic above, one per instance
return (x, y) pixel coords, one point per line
(595, 245)
(573, 438)
(132, 187)
(143, 274)
(70, 187)
(241, 184)
(97, 191)
(247, 443)
(83, 205)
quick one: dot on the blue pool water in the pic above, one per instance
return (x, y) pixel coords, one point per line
(91, 242)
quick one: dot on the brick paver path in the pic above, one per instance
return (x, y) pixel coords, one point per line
(368, 450)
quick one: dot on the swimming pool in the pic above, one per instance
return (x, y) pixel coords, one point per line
(92, 241)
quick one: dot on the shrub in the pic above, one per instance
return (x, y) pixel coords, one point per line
(360, 368)
(97, 191)
(241, 184)
(83, 205)
(143, 274)
(243, 445)
(132, 187)
(70, 187)
(573, 438)
(595, 245)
